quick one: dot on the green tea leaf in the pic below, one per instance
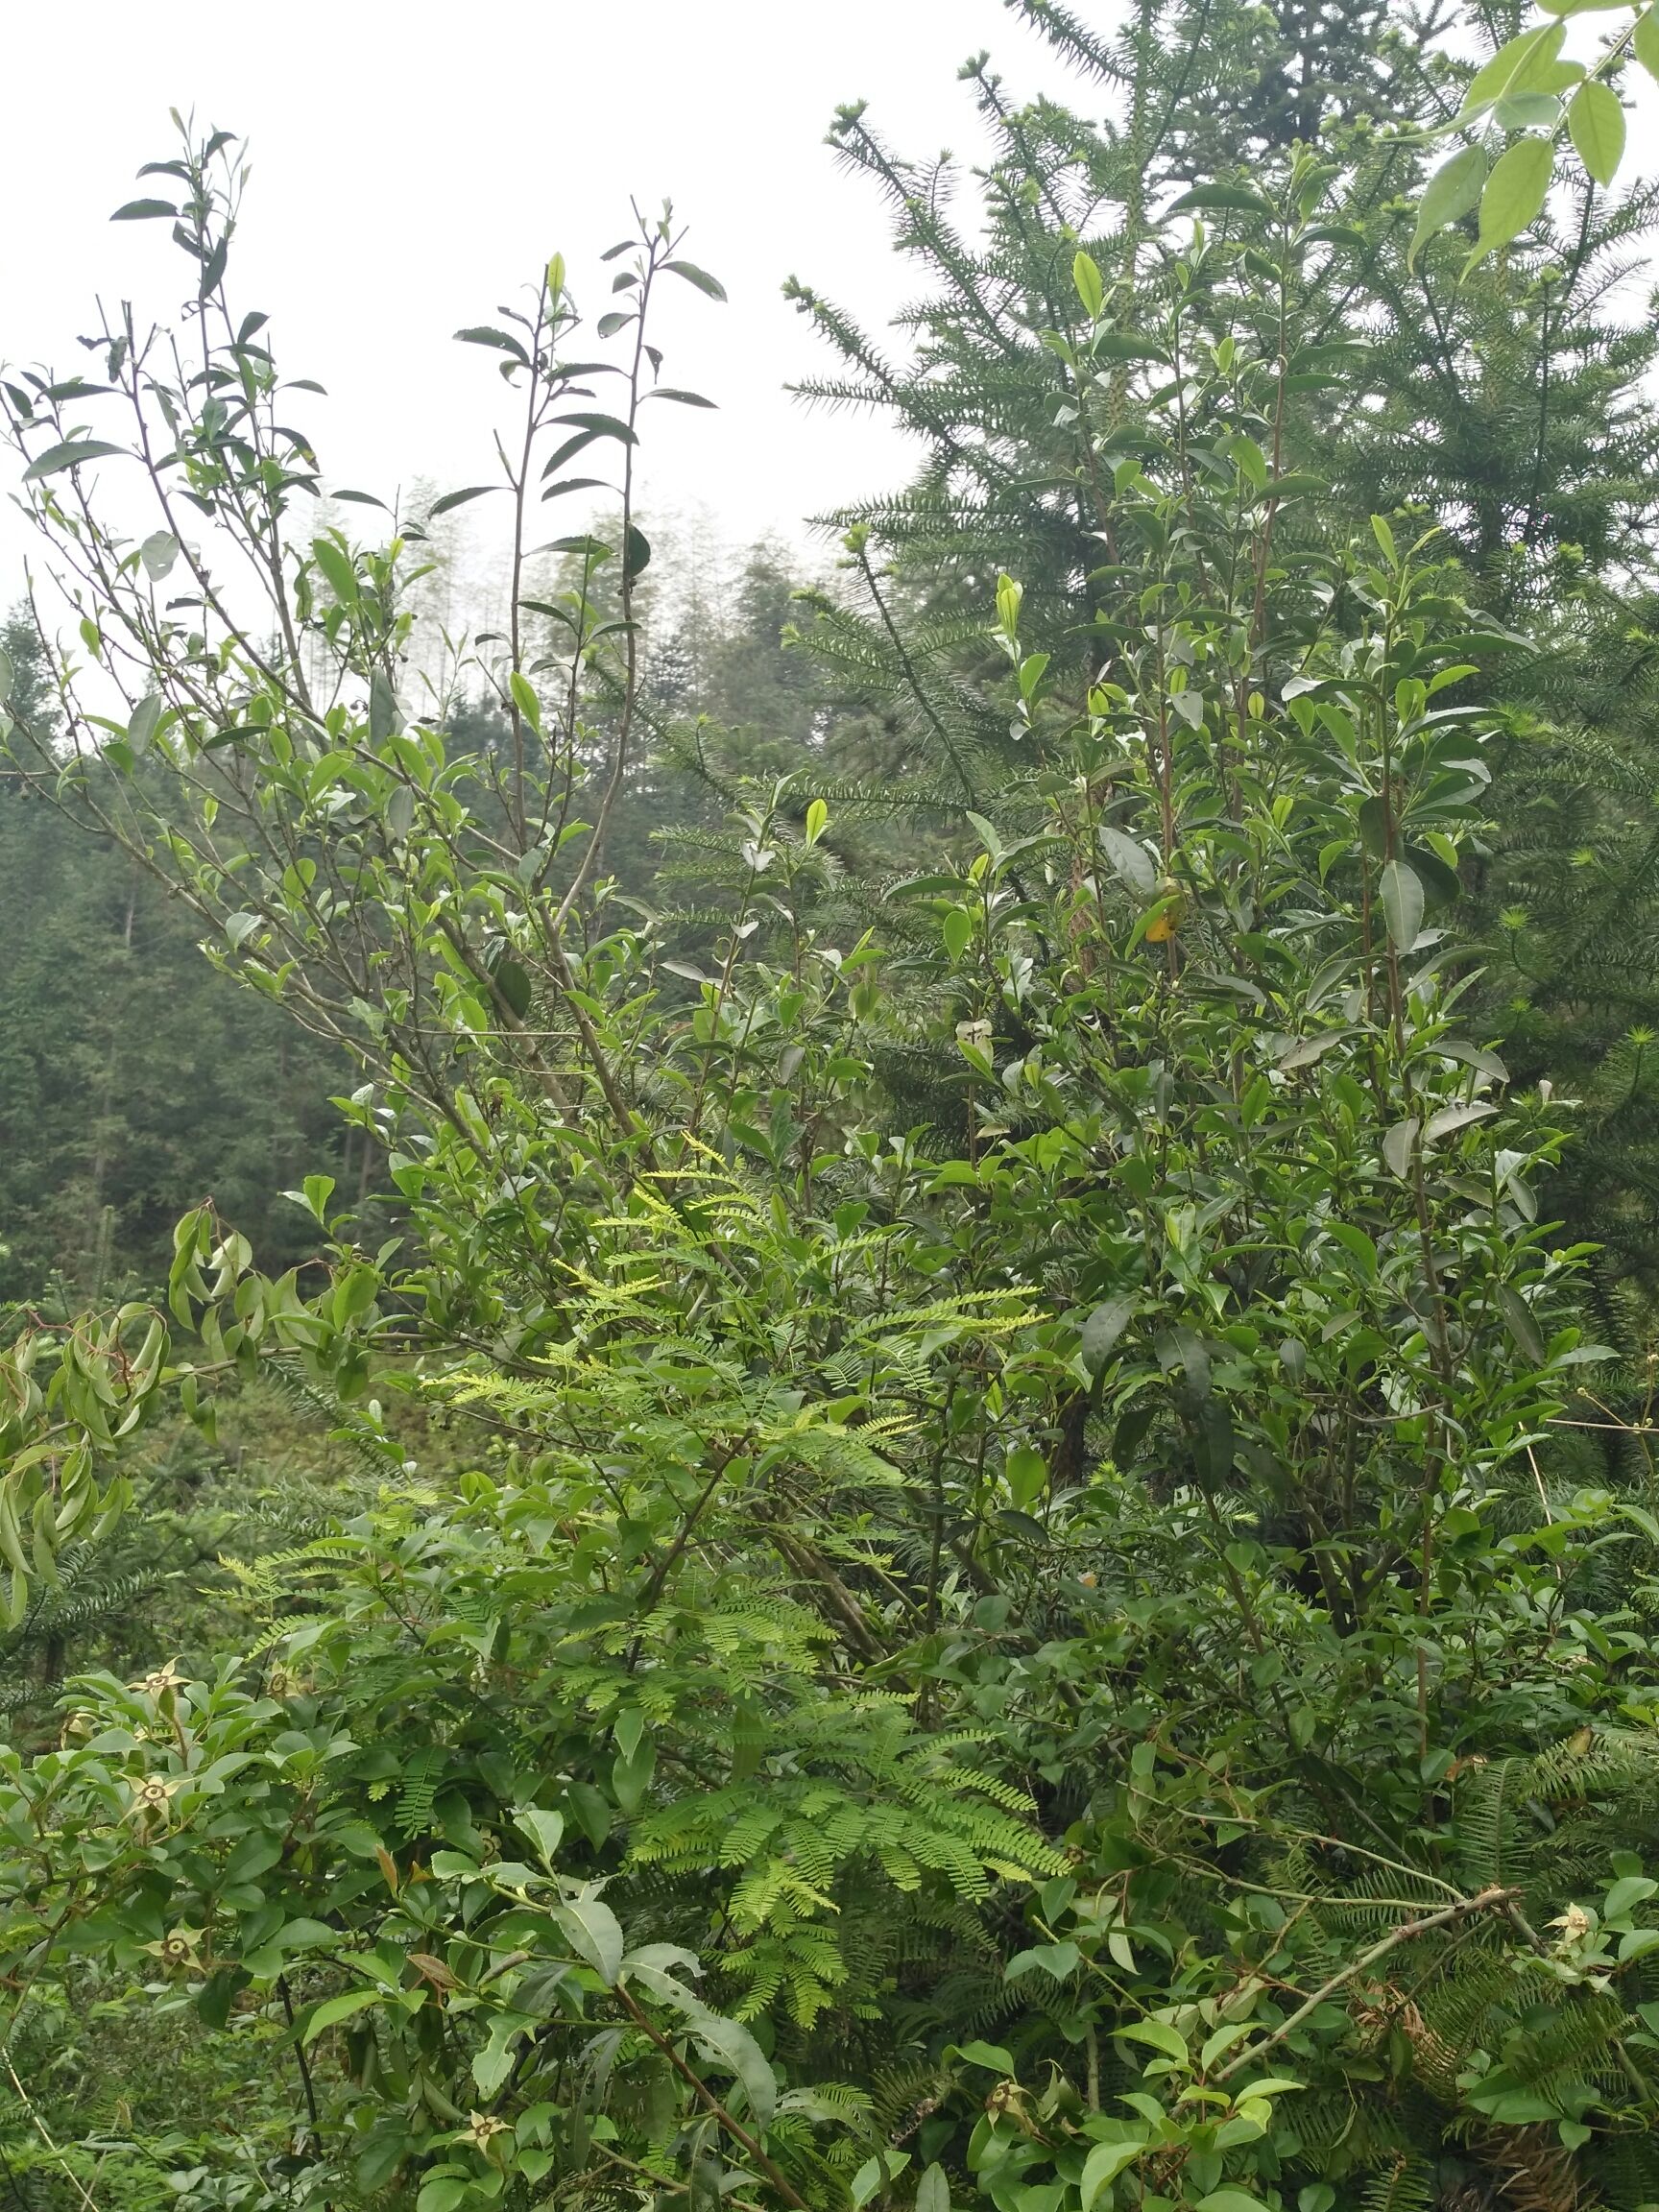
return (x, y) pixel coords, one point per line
(1403, 902)
(70, 454)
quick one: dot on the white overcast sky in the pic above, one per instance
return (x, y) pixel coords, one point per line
(414, 164)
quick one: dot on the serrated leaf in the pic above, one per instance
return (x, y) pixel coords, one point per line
(1101, 1330)
(1479, 1057)
(692, 274)
(383, 717)
(544, 1829)
(1515, 67)
(502, 341)
(594, 1934)
(933, 2189)
(595, 424)
(1090, 289)
(146, 715)
(1312, 1049)
(1129, 858)
(1631, 1891)
(1159, 2034)
(1645, 40)
(733, 2042)
(1398, 1146)
(68, 455)
(1454, 1118)
(1222, 198)
(336, 566)
(460, 499)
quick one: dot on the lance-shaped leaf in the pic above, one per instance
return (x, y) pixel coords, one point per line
(68, 455)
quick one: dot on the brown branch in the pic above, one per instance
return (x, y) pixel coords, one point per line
(1462, 1910)
(701, 2089)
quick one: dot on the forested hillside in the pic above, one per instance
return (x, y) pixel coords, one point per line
(840, 1395)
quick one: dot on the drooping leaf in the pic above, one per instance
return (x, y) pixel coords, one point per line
(1595, 120)
(1103, 1327)
(502, 341)
(1514, 196)
(1403, 903)
(730, 2041)
(700, 277)
(594, 1933)
(1449, 194)
(335, 563)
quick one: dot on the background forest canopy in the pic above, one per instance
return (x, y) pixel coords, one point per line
(906, 1456)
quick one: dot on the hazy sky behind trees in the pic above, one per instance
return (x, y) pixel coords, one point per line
(414, 165)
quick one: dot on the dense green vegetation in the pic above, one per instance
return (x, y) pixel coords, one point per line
(935, 1487)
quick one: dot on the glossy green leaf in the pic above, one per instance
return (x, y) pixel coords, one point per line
(1400, 890)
